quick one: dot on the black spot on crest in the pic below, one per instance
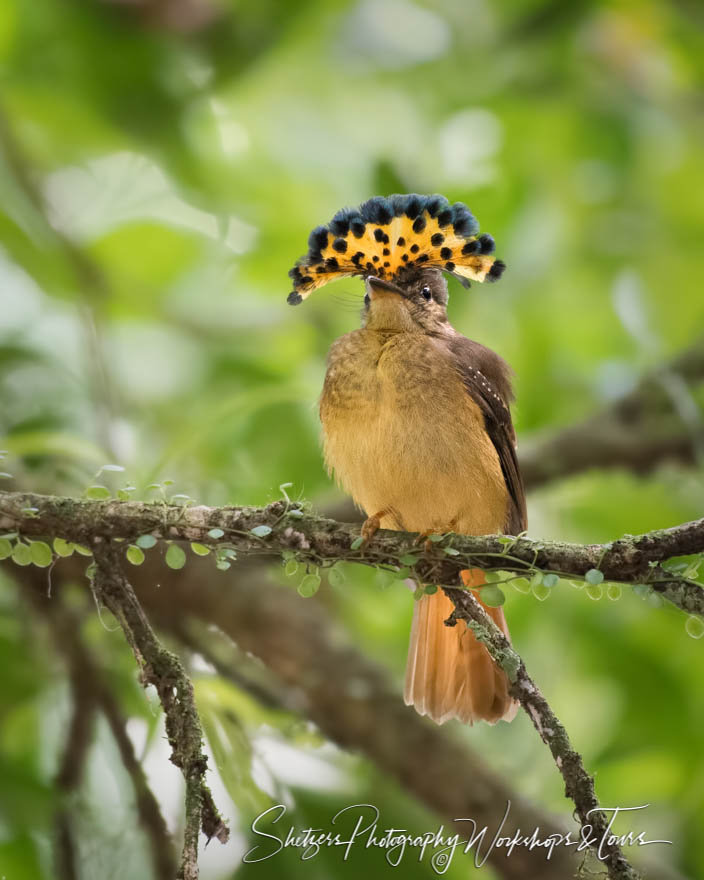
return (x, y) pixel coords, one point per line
(414, 248)
(472, 247)
(445, 253)
(413, 206)
(377, 210)
(463, 222)
(419, 224)
(435, 204)
(437, 239)
(317, 241)
(294, 298)
(486, 243)
(449, 266)
(339, 245)
(496, 271)
(445, 217)
(401, 241)
(422, 258)
(357, 227)
(386, 252)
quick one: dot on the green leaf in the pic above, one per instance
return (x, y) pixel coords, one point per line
(336, 577)
(595, 591)
(357, 543)
(450, 551)
(84, 551)
(5, 548)
(594, 576)
(694, 627)
(550, 579)
(112, 468)
(175, 557)
(492, 596)
(41, 554)
(135, 554)
(614, 591)
(521, 584)
(296, 513)
(408, 559)
(199, 549)
(309, 586)
(430, 589)
(97, 493)
(63, 548)
(222, 564)
(21, 554)
(491, 577)
(540, 591)
(291, 567)
(146, 542)
(418, 593)
(403, 573)
(435, 539)
(261, 531)
(215, 533)
(642, 590)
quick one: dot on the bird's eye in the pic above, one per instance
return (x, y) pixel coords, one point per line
(426, 293)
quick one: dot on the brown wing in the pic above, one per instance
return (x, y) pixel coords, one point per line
(487, 380)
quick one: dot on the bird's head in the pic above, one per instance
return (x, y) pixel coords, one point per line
(401, 246)
(416, 304)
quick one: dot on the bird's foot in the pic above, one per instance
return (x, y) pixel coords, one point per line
(424, 539)
(370, 527)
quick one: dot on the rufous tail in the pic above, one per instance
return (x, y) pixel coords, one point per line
(449, 674)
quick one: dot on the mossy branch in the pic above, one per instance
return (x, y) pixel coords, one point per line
(579, 785)
(164, 670)
(286, 528)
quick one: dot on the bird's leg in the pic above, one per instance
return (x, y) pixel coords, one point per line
(424, 537)
(371, 526)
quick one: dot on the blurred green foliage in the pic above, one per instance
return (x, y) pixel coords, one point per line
(160, 170)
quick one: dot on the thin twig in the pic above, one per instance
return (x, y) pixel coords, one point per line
(164, 670)
(90, 692)
(579, 785)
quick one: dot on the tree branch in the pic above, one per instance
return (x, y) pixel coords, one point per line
(89, 693)
(320, 541)
(347, 695)
(579, 785)
(164, 670)
(637, 431)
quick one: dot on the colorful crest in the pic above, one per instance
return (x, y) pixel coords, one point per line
(393, 238)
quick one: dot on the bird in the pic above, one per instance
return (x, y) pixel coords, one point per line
(416, 419)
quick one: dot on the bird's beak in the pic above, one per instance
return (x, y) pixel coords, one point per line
(378, 288)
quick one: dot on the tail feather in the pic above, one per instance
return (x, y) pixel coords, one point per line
(449, 674)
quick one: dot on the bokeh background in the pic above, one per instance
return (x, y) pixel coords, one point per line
(161, 165)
